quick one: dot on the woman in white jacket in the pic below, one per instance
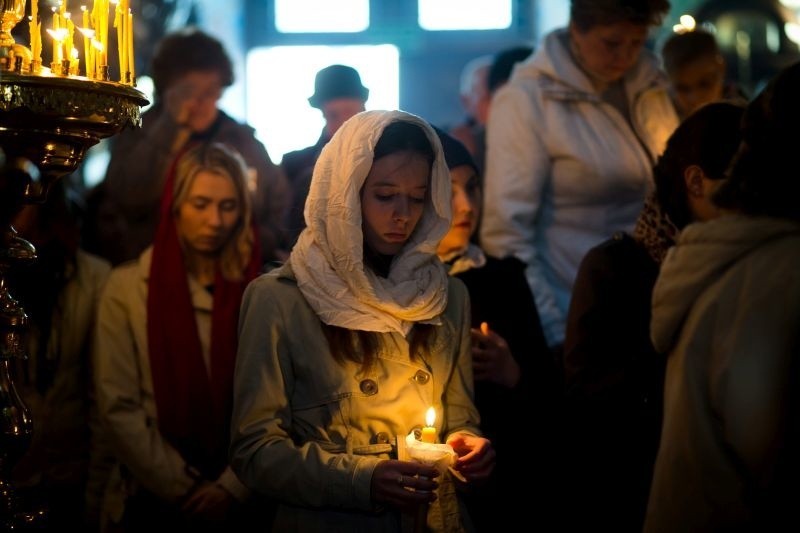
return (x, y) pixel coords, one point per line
(571, 142)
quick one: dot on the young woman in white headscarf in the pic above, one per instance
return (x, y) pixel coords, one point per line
(344, 348)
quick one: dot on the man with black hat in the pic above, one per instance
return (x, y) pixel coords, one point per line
(339, 94)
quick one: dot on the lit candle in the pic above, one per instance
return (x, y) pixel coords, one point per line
(85, 30)
(129, 35)
(69, 34)
(97, 47)
(58, 44)
(485, 328)
(119, 25)
(62, 42)
(98, 58)
(104, 32)
(54, 34)
(74, 60)
(429, 432)
(98, 19)
(36, 31)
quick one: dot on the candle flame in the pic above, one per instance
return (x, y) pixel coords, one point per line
(430, 416)
(88, 33)
(97, 44)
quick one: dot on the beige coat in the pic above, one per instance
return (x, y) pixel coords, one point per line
(309, 431)
(125, 399)
(58, 451)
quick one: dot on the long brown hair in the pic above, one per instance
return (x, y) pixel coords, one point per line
(362, 346)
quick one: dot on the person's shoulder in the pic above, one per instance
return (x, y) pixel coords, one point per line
(621, 245)
(232, 131)
(456, 288)
(299, 157)
(500, 265)
(619, 256)
(122, 278)
(92, 261)
(91, 267)
(276, 281)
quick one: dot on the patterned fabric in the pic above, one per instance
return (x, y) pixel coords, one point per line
(328, 259)
(654, 229)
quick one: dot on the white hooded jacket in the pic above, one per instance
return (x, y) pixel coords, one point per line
(565, 170)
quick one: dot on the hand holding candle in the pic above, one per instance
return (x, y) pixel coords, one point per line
(492, 359)
(429, 431)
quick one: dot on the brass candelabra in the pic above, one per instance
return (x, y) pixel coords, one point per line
(47, 123)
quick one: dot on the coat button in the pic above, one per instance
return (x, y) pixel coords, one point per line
(368, 387)
(382, 438)
(422, 377)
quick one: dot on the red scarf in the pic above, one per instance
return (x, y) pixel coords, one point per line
(193, 409)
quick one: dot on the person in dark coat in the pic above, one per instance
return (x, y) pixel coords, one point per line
(513, 370)
(613, 375)
(338, 94)
(191, 69)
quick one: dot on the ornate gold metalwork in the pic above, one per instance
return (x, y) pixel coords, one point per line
(52, 121)
(11, 12)
(49, 121)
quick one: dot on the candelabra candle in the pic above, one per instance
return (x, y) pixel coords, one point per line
(69, 30)
(129, 55)
(96, 48)
(100, 19)
(36, 32)
(119, 25)
(429, 432)
(88, 34)
(54, 33)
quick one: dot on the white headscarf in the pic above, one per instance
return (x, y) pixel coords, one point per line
(328, 259)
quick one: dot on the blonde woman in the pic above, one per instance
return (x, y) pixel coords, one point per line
(166, 344)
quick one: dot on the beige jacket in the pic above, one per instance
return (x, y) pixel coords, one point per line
(125, 400)
(58, 450)
(309, 431)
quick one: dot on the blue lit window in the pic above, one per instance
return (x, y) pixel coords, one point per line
(319, 16)
(464, 14)
(277, 105)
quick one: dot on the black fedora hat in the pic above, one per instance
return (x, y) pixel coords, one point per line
(337, 81)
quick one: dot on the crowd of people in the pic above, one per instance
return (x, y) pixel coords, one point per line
(593, 282)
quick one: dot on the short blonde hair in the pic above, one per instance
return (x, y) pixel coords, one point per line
(222, 160)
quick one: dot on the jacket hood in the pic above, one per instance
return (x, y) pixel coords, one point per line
(703, 253)
(553, 61)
